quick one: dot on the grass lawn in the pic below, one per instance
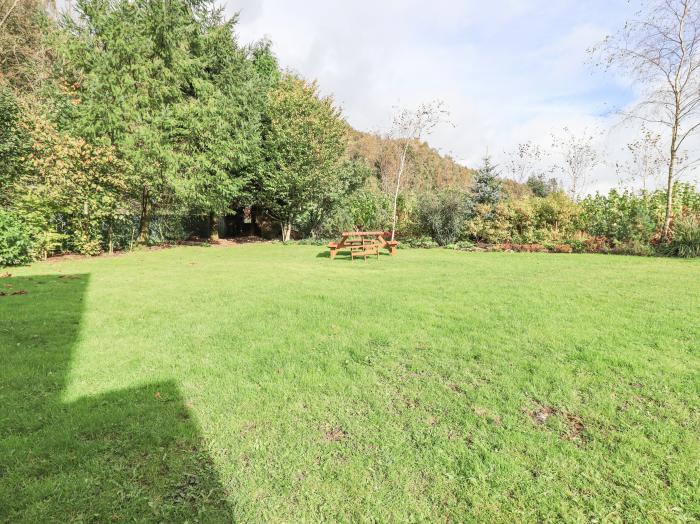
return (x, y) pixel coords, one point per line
(267, 382)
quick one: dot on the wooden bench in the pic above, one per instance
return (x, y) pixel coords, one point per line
(334, 249)
(352, 239)
(364, 251)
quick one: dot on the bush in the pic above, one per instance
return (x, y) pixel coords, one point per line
(16, 246)
(441, 214)
(619, 217)
(490, 224)
(555, 212)
(421, 242)
(635, 248)
(686, 237)
(463, 245)
(563, 248)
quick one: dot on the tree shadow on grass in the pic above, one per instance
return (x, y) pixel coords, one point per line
(345, 255)
(127, 455)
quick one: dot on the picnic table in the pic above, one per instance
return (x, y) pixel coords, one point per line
(363, 243)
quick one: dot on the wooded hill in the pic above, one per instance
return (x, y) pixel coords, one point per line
(427, 168)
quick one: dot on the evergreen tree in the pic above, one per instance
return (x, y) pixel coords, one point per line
(166, 84)
(487, 187)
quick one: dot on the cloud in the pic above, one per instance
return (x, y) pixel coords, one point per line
(509, 70)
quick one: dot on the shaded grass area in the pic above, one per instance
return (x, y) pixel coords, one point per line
(266, 382)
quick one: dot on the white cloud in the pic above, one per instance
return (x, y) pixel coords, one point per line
(510, 70)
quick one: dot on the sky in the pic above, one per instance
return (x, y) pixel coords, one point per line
(509, 71)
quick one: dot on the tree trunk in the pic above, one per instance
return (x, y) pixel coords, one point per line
(213, 227)
(286, 231)
(402, 164)
(666, 232)
(110, 239)
(144, 218)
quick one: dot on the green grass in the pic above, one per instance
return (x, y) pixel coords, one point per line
(267, 382)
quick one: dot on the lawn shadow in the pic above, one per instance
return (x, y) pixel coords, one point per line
(345, 255)
(132, 454)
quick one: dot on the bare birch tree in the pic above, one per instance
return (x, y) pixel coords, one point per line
(523, 161)
(645, 160)
(578, 157)
(660, 50)
(409, 127)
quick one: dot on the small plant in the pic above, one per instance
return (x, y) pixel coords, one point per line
(686, 238)
(633, 248)
(16, 246)
(421, 242)
(464, 245)
(563, 248)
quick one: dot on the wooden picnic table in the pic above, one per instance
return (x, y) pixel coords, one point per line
(359, 239)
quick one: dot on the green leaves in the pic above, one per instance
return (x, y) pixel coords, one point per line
(304, 142)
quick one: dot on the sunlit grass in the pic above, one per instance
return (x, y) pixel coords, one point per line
(266, 382)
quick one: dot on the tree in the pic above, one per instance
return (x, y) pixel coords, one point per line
(14, 144)
(304, 141)
(541, 186)
(167, 85)
(660, 50)
(216, 127)
(487, 184)
(408, 128)
(350, 175)
(578, 157)
(125, 67)
(70, 189)
(645, 162)
(523, 161)
(24, 57)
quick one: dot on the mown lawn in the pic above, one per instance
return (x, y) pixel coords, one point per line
(266, 382)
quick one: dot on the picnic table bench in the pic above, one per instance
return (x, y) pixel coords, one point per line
(363, 244)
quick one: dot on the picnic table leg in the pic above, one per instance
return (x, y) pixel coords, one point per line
(389, 246)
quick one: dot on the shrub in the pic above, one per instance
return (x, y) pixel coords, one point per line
(16, 246)
(555, 213)
(619, 216)
(563, 248)
(464, 245)
(490, 224)
(634, 248)
(421, 242)
(686, 237)
(441, 214)
(576, 245)
(525, 248)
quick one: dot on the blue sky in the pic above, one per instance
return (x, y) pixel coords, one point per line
(509, 70)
